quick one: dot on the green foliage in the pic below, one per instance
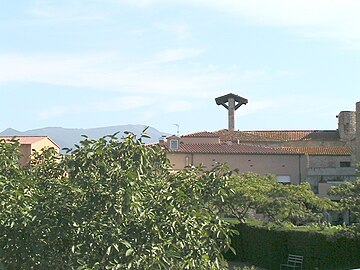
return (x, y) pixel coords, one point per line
(245, 268)
(108, 205)
(349, 194)
(269, 246)
(246, 193)
(294, 204)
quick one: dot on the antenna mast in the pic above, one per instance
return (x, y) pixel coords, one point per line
(177, 129)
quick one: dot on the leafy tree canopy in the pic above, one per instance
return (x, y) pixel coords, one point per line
(349, 196)
(251, 193)
(108, 205)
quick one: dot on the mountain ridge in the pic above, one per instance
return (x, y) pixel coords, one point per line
(67, 137)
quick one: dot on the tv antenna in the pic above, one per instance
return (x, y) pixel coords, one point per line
(177, 129)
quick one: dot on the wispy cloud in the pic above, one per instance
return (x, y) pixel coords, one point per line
(66, 11)
(171, 55)
(137, 3)
(119, 104)
(55, 111)
(110, 72)
(122, 104)
(258, 106)
(336, 19)
(178, 106)
(181, 31)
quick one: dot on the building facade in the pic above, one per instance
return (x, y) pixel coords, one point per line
(321, 157)
(29, 144)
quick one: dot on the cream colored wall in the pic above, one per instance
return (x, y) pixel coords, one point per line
(25, 152)
(44, 143)
(26, 149)
(291, 165)
(177, 160)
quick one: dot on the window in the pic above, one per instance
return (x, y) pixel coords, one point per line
(285, 179)
(187, 161)
(345, 164)
(174, 144)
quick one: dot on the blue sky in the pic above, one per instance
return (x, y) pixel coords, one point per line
(93, 63)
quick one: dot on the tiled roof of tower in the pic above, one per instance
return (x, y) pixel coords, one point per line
(226, 135)
(322, 151)
(281, 135)
(229, 149)
(28, 139)
(324, 135)
(278, 135)
(204, 133)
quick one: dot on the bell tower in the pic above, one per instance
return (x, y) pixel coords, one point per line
(231, 102)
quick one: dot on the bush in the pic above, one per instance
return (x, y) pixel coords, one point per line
(269, 247)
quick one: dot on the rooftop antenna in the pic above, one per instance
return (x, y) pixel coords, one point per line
(233, 103)
(177, 129)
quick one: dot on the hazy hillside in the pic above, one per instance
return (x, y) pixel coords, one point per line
(67, 137)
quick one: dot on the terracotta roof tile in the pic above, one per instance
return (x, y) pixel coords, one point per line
(204, 133)
(325, 151)
(235, 136)
(281, 135)
(229, 149)
(277, 135)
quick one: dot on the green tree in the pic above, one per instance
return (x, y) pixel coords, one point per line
(250, 193)
(349, 195)
(16, 200)
(296, 204)
(108, 205)
(246, 194)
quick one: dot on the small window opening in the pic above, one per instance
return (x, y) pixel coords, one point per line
(285, 179)
(174, 144)
(187, 161)
(345, 164)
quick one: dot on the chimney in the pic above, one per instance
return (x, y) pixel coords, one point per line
(162, 140)
(233, 103)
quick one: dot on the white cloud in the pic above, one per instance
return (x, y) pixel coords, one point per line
(137, 3)
(171, 55)
(52, 112)
(257, 106)
(66, 11)
(123, 103)
(111, 72)
(181, 31)
(178, 106)
(335, 19)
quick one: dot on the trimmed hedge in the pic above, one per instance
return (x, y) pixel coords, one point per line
(269, 248)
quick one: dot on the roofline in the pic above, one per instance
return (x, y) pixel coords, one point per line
(210, 133)
(288, 130)
(38, 136)
(246, 153)
(54, 142)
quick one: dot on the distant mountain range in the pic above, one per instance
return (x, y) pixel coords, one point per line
(67, 137)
